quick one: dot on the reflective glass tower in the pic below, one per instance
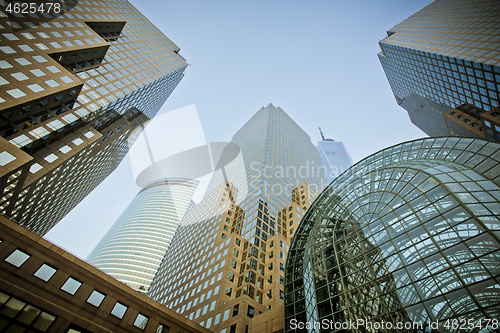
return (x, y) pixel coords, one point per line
(408, 235)
(226, 261)
(334, 156)
(134, 247)
(75, 81)
(447, 56)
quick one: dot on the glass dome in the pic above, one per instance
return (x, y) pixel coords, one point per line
(408, 235)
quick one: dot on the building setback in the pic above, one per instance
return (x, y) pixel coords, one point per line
(75, 83)
(445, 56)
(226, 262)
(407, 235)
(132, 250)
(467, 120)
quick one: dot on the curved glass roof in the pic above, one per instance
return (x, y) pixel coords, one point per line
(408, 235)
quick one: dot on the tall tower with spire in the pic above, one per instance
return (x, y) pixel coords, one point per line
(334, 156)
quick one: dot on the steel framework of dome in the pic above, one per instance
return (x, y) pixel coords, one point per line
(408, 235)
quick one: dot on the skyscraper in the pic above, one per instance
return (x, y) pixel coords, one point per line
(226, 261)
(408, 236)
(445, 56)
(75, 82)
(132, 250)
(334, 156)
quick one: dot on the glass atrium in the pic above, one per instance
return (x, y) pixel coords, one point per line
(407, 235)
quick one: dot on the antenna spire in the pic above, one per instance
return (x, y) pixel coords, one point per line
(322, 136)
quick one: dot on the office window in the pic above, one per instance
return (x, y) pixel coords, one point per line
(236, 309)
(45, 272)
(17, 258)
(24, 313)
(141, 321)
(250, 311)
(96, 298)
(71, 286)
(226, 315)
(162, 329)
(119, 310)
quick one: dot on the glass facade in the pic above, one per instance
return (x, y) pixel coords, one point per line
(18, 316)
(444, 56)
(132, 250)
(74, 85)
(335, 158)
(408, 235)
(227, 259)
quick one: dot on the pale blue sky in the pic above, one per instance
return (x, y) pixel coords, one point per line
(317, 60)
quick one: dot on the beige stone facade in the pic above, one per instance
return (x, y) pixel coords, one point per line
(269, 322)
(467, 120)
(226, 263)
(46, 289)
